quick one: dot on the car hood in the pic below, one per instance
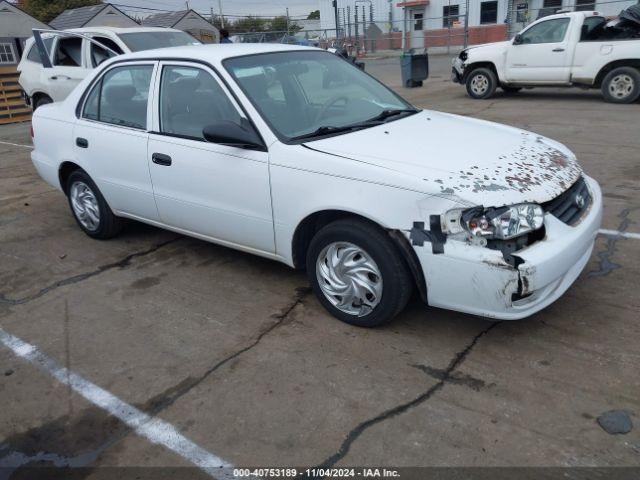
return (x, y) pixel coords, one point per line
(493, 45)
(475, 161)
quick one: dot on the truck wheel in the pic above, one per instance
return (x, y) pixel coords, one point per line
(621, 85)
(42, 100)
(357, 273)
(481, 83)
(89, 207)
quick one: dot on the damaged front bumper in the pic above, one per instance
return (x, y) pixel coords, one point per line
(478, 280)
(457, 70)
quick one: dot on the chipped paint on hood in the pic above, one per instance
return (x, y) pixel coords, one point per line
(475, 161)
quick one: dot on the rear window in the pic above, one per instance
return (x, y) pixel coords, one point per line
(34, 55)
(148, 40)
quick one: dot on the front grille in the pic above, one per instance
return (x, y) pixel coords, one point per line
(570, 205)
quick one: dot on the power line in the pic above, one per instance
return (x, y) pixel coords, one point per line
(202, 12)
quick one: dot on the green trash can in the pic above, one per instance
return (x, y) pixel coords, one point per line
(414, 68)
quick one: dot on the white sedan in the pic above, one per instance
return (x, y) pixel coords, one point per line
(293, 154)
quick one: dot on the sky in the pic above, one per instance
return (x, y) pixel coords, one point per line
(238, 7)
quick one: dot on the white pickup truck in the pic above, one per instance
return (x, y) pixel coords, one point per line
(581, 49)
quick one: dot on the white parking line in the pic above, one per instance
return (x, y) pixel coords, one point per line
(616, 233)
(16, 144)
(153, 429)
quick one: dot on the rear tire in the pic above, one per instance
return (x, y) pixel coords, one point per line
(41, 100)
(481, 83)
(621, 85)
(89, 207)
(365, 280)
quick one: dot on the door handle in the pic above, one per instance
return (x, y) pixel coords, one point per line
(60, 77)
(161, 159)
(558, 50)
(82, 142)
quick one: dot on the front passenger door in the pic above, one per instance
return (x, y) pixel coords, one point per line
(217, 191)
(542, 55)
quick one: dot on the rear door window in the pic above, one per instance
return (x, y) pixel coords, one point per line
(68, 52)
(121, 97)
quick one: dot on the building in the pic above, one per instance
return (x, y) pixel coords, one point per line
(105, 15)
(441, 23)
(15, 28)
(187, 21)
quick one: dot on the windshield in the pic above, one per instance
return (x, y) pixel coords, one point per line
(313, 93)
(149, 40)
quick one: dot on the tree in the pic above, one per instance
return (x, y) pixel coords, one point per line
(47, 10)
(315, 15)
(248, 24)
(279, 24)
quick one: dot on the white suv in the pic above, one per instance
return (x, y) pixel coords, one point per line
(73, 54)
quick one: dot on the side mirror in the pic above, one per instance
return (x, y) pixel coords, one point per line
(517, 40)
(233, 135)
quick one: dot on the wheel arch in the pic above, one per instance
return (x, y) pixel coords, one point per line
(65, 170)
(313, 222)
(630, 62)
(475, 65)
(35, 96)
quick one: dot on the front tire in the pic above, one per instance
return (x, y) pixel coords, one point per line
(481, 83)
(621, 85)
(357, 273)
(89, 207)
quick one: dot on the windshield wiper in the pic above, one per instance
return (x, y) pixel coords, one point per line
(327, 130)
(384, 114)
(377, 120)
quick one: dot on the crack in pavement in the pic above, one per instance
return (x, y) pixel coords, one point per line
(359, 429)
(84, 276)
(606, 264)
(169, 397)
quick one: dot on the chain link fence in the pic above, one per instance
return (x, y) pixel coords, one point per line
(361, 33)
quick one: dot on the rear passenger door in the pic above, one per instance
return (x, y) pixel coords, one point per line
(218, 191)
(69, 67)
(111, 138)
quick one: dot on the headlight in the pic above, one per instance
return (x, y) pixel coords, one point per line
(463, 55)
(502, 222)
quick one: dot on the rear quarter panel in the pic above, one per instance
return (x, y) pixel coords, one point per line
(53, 140)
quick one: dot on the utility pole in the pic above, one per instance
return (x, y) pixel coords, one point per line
(187, 4)
(466, 24)
(221, 16)
(287, 22)
(335, 13)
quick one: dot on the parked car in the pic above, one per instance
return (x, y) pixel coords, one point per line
(74, 53)
(577, 49)
(293, 154)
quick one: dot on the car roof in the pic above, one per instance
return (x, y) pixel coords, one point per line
(580, 14)
(214, 52)
(120, 29)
